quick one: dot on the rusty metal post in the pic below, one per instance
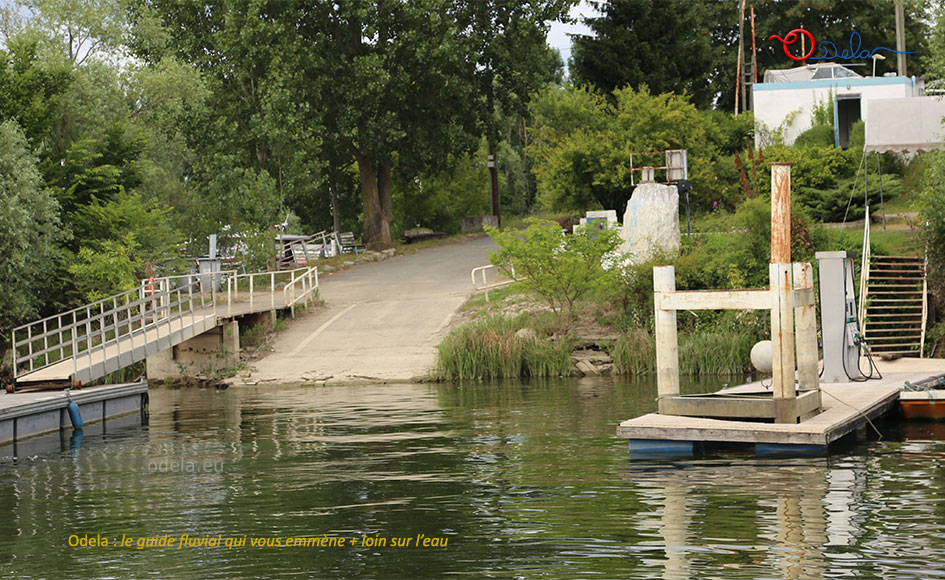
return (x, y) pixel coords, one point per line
(782, 296)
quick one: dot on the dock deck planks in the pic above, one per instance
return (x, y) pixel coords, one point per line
(845, 407)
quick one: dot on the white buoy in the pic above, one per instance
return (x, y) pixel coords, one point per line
(761, 356)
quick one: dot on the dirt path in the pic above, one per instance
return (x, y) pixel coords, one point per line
(382, 320)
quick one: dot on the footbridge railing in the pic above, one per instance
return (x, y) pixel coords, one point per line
(87, 343)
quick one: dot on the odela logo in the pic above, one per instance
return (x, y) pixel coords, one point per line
(829, 50)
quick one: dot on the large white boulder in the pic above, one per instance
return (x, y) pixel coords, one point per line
(651, 222)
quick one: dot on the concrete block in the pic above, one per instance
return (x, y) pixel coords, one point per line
(474, 224)
(651, 222)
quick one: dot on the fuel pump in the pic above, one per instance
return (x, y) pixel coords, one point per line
(838, 316)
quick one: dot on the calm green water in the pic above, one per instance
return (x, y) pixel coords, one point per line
(521, 482)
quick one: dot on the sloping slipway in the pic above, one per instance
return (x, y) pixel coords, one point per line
(382, 321)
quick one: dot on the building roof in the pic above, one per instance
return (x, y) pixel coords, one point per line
(811, 72)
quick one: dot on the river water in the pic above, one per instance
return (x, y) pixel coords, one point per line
(518, 481)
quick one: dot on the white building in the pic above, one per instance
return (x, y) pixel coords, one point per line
(785, 101)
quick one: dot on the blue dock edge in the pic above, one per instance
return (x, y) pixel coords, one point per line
(665, 448)
(650, 448)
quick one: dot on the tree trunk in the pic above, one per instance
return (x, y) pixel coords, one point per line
(385, 191)
(376, 230)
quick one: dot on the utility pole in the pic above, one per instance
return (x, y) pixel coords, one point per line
(754, 61)
(494, 183)
(900, 39)
(739, 87)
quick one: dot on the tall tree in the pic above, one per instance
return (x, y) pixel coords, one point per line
(507, 42)
(29, 220)
(666, 45)
(399, 92)
(258, 132)
(692, 45)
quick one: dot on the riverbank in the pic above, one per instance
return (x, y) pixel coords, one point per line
(513, 336)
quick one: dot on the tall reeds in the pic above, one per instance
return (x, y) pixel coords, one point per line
(488, 348)
(700, 353)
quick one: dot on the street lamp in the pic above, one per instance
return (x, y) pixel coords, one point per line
(876, 57)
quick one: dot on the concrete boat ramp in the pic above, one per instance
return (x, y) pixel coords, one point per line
(846, 408)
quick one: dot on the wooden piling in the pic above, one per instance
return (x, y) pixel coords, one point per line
(667, 346)
(782, 300)
(806, 328)
(781, 213)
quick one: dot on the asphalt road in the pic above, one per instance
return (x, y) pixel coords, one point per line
(381, 320)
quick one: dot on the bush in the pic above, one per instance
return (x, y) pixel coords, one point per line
(821, 136)
(561, 269)
(931, 206)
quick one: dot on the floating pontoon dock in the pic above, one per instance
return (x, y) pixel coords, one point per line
(27, 414)
(845, 409)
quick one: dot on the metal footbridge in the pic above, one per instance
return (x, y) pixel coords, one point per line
(87, 343)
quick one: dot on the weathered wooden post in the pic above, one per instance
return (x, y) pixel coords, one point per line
(667, 346)
(808, 375)
(782, 304)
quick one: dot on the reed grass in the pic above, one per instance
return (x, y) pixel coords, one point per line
(702, 353)
(488, 348)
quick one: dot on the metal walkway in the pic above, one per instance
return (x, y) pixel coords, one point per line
(87, 343)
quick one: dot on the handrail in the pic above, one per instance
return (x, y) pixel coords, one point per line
(309, 282)
(158, 304)
(262, 280)
(489, 286)
(93, 327)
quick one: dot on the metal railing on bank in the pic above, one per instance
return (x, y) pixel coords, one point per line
(160, 313)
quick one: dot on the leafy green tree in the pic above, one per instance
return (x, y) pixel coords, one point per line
(582, 144)
(32, 231)
(561, 269)
(31, 91)
(78, 32)
(258, 114)
(507, 41)
(931, 206)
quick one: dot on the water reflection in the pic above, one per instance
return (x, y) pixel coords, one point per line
(526, 480)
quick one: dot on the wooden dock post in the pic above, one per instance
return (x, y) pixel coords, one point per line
(782, 289)
(667, 346)
(808, 375)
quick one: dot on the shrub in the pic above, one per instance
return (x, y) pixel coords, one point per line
(561, 269)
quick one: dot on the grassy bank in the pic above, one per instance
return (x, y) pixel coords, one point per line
(496, 346)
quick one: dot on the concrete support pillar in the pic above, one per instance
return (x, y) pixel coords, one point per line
(208, 353)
